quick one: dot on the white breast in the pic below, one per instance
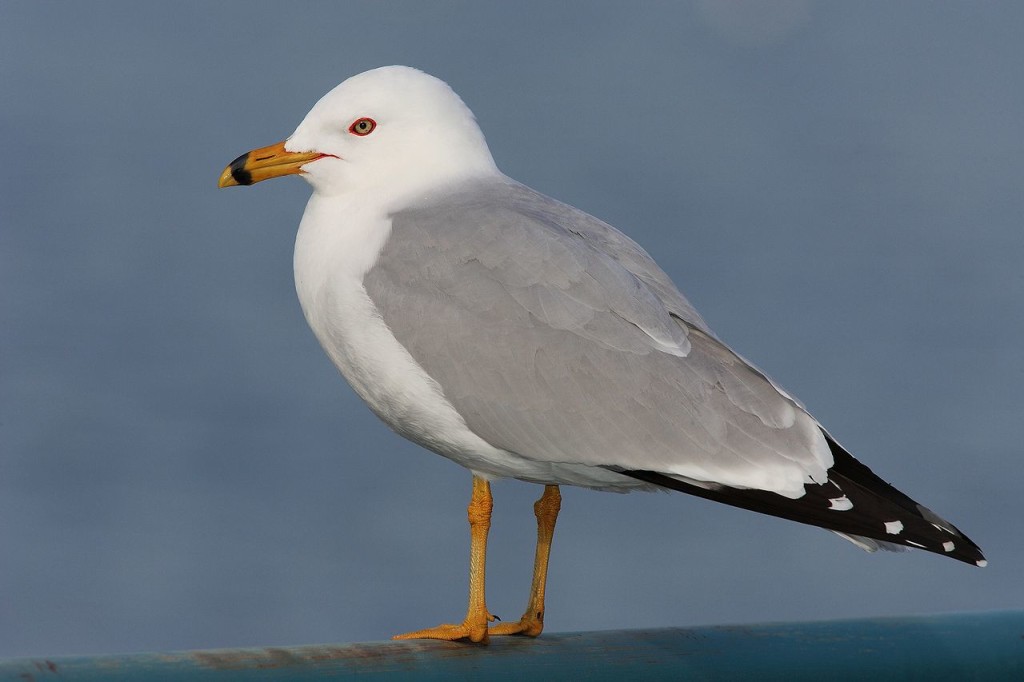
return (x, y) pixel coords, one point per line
(336, 246)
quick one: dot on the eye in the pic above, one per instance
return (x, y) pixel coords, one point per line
(362, 126)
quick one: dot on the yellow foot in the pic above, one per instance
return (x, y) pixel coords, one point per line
(530, 625)
(473, 631)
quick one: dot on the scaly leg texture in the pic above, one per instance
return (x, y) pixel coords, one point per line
(532, 622)
(474, 627)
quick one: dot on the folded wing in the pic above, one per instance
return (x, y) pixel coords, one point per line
(558, 338)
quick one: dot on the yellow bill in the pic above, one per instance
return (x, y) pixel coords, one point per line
(265, 163)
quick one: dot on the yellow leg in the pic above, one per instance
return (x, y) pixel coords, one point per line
(474, 627)
(532, 622)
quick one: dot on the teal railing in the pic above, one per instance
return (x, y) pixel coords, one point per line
(970, 646)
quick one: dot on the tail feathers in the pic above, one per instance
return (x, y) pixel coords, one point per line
(854, 502)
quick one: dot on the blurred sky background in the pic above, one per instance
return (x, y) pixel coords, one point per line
(836, 186)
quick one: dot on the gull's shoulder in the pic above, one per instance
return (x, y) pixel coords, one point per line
(473, 214)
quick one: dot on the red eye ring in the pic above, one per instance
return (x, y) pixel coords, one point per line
(362, 126)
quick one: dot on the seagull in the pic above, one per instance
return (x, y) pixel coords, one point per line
(521, 337)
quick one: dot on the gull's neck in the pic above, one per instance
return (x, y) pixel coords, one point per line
(339, 240)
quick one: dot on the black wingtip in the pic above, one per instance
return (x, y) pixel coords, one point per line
(871, 508)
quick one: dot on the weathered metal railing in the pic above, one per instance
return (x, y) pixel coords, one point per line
(971, 646)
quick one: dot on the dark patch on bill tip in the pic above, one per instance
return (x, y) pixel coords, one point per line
(238, 171)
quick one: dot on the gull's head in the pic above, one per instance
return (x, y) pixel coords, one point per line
(389, 132)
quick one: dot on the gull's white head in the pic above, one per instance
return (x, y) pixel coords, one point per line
(391, 132)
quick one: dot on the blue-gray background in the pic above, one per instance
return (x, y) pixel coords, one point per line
(837, 187)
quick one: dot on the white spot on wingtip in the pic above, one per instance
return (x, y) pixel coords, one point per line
(948, 546)
(981, 563)
(893, 527)
(840, 503)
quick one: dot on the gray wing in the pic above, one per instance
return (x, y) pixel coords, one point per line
(558, 338)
